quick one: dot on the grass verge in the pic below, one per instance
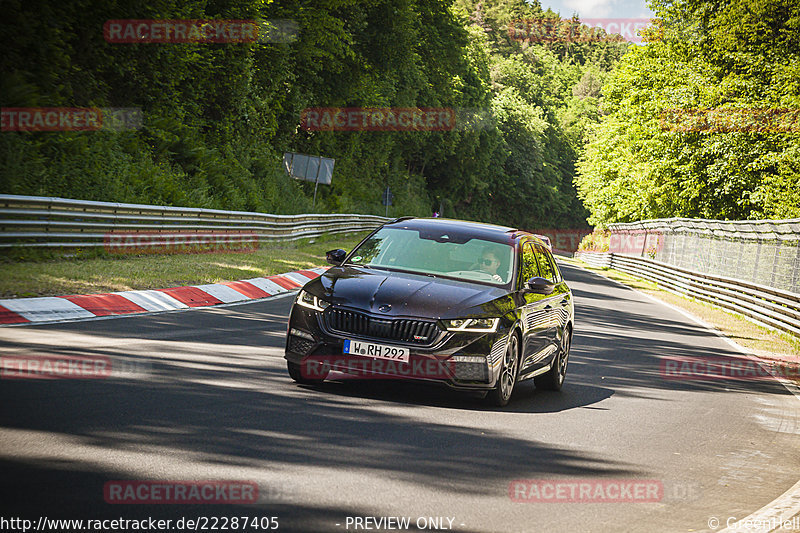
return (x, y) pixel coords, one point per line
(758, 340)
(42, 274)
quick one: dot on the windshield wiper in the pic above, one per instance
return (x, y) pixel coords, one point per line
(359, 265)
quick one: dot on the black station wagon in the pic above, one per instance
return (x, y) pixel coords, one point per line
(475, 306)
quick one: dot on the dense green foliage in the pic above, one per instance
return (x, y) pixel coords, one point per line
(217, 117)
(721, 55)
(597, 241)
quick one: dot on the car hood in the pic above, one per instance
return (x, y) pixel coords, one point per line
(409, 295)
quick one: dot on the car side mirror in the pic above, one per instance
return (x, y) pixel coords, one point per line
(539, 285)
(335, 257)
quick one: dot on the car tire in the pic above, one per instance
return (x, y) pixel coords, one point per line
(297, 375)
(554, 378)
(500, 395)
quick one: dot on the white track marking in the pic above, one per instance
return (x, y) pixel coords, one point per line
(223, 293)
(153, 300)
(46, 309)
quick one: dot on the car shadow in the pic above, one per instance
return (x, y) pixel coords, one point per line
(526, 399)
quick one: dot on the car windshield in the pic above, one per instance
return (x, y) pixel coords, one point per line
(437, 253)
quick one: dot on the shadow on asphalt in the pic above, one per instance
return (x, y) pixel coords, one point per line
(79, 490)
(240, 411)
(629, 345)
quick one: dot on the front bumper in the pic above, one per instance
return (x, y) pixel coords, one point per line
(460, 360)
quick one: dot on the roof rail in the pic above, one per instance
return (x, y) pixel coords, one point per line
(400, 219)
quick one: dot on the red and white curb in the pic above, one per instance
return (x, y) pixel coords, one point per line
(81, 307)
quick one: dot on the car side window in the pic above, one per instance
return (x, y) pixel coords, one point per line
(530, 269)
(545, 266)
(558, 278)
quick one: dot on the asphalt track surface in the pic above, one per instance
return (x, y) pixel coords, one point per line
(205, 396)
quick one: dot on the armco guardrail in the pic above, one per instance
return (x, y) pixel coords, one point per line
(61, 222)
(763, 252)
(597, 260)
(774, 308)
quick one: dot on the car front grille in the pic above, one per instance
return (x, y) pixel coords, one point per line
(398, 330)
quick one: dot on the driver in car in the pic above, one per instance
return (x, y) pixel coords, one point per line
(489, 264)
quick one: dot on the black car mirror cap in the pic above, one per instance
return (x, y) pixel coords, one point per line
(539, 285)
(335, 257)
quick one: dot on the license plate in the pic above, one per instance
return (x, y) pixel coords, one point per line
(376, 351)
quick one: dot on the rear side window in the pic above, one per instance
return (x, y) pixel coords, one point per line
(546, 267)
(530, 268)
(558, 278)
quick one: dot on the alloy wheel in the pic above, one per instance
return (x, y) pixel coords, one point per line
(509, 372)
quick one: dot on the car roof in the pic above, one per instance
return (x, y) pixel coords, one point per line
(478, 230)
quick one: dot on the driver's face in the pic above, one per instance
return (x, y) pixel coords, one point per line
(489, 263)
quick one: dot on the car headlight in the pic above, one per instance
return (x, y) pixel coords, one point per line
(477, 325)
(312, 302)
